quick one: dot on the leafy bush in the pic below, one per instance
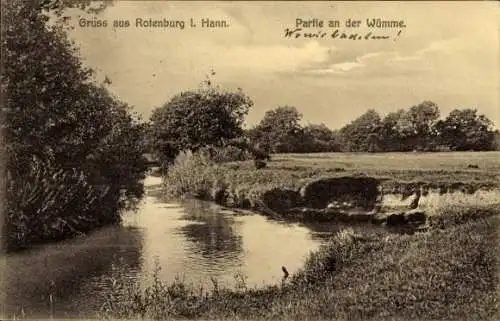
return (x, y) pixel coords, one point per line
(48, 203)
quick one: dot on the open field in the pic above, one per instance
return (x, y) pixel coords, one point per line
(416, 161)
(425, 167)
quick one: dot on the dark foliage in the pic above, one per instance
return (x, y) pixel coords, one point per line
(415, 129)
(196, 119)
(466, 130)
(73, 152)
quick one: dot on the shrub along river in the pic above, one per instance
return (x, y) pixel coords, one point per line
(195, 241)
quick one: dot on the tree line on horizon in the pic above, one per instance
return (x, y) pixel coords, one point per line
(211, 118)
(418, 128)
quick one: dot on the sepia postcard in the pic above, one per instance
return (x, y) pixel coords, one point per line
(234, 160)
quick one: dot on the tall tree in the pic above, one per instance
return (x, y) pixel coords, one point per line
(198, 118)
(466, 130)
(69, 144)
(418, 126)
(320, 138)
(280, 130)
(358, 136)
(496, 140)
(392, 131)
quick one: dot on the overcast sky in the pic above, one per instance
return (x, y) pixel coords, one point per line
(448, 53)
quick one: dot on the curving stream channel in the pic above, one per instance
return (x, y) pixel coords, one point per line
(195, 241)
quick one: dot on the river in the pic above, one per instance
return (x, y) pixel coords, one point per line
(193, 240)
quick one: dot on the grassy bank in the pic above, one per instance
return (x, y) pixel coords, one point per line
(445, 274)
(240, 185)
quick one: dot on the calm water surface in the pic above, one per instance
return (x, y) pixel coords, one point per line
(195, 241)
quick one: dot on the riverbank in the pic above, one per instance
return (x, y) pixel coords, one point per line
(308, 189)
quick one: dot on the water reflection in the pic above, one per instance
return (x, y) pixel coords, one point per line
(214, 235)
(195, 240)
(60, 272)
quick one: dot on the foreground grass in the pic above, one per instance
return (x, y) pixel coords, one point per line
(445, 274)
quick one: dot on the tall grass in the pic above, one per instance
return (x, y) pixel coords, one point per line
(226, 154)
(193, 175)
(51, 203)
(197, 175)
(438, 204)
(458, 208)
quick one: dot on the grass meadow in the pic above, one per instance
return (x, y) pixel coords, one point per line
(463, 167)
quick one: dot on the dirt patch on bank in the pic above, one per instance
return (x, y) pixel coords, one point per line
(347, 199)
(360, 192)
